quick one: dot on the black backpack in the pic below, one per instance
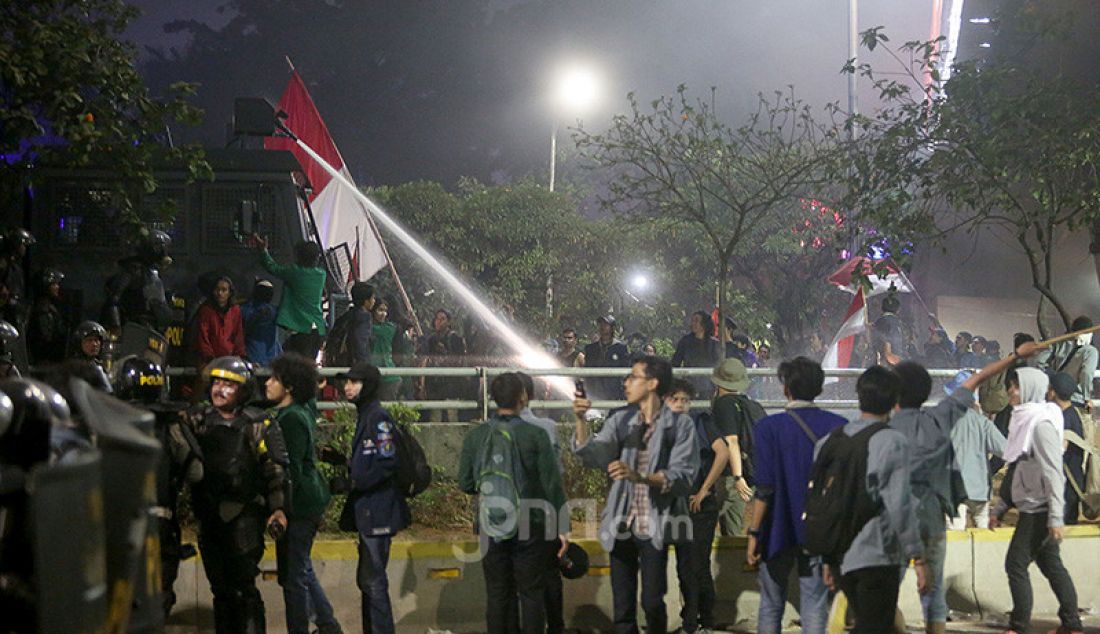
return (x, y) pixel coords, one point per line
(837, 502)
(414, 474)
(339, 349)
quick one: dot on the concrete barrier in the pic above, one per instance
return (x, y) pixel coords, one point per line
(439, 585)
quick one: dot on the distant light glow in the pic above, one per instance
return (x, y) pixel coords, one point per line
(577, 89)
(639, 281)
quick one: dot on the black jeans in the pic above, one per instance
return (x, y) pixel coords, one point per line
(1032, 542)
(629, 557)
(873, 597)
(554, 592)
(693, 570)
(1072, 503)
(512, 569)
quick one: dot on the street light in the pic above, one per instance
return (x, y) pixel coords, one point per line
(576, 89)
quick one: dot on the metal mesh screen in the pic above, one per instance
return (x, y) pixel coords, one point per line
(339, 267)
(219, 216)
(85, 216)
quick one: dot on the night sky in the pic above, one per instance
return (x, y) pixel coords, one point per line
(443, 89)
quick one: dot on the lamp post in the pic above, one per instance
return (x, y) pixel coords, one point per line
(576, 89)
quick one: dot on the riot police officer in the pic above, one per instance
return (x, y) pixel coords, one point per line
(15, 245)
(46, 330)
(88, 341)
(9, 338)
(141, 383)
(242, 491)
(29, 419)
(136, 293)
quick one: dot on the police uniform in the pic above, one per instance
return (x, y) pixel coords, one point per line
(380, 510)
(244, 481)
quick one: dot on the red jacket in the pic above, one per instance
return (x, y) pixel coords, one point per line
(217, 334)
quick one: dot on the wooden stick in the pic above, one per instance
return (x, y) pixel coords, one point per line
(1067, 336)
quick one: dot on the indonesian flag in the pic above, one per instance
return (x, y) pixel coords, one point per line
(846, 275)
(338, 213)
(839, 354)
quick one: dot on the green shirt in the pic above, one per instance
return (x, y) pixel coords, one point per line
(303, 288)
(382, 348)
(309, 493)
(541, 475)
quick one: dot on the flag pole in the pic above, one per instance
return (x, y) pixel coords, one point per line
(289, 63)
(396, 277)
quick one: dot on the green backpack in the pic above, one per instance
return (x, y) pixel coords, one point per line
(499, 481)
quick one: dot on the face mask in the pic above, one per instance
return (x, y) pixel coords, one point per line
(1084, 340)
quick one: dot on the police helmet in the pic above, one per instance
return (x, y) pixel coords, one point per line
(18, 236)
(233, 369)
(139, 380)
(90, 329)
(35, 409)
(8, 336)
(48, 277)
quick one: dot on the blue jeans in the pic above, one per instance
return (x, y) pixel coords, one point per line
(374, 556)
(773, 577)
(302, 593)
(934, 602)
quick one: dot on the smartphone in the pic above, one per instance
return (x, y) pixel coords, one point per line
(580, 391)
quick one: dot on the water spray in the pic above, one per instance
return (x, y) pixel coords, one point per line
(529, 355)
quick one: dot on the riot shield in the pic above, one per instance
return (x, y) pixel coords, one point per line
(67, 536)
(129, 492)
(142, 341)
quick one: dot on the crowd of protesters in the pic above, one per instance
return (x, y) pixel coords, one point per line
(678, 472)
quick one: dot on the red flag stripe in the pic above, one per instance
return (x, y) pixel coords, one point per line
(304, 119)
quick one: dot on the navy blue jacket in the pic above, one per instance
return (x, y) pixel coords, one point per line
(380, 509)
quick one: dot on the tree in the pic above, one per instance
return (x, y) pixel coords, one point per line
(70, 97)
(999, 145)
(678, 161)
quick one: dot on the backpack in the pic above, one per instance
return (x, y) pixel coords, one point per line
(414, 474)
(748, 412)
(837, 502)
(499, 482)
(339, 349)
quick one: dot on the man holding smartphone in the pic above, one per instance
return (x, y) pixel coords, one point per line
(651, 454)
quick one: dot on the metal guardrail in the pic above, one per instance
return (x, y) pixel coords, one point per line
(484, 376)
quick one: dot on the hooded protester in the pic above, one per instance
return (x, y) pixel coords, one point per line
(218, 328)
(377, 506)
(1035, 486)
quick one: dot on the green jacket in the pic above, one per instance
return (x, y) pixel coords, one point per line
(541, 475)
(303, 288)
(309, 493)
(382, 348)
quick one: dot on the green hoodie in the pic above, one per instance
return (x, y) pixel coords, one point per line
(309, 493)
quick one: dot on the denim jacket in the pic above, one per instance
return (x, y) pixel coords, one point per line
(673, 449)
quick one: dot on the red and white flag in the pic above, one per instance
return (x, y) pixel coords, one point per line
(887, 275)
(337, 211)
(839, 353)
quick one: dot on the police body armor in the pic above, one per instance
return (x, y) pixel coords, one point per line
(232, 471)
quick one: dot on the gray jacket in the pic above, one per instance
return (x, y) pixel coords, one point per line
(890, 538)
(1038, 484)
(673, 449)
(1078, 361)
(927, 432)
(974, 437)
